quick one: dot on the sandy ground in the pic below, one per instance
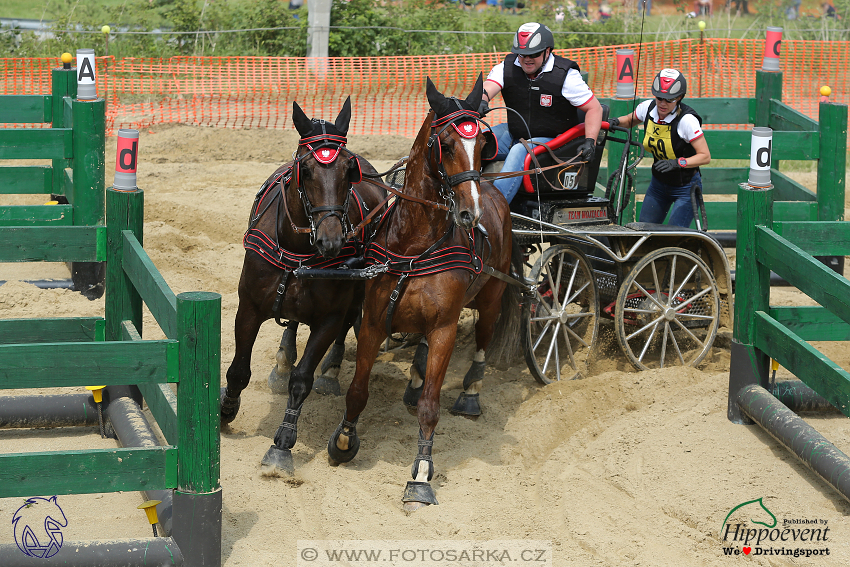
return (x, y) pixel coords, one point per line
(620, 468)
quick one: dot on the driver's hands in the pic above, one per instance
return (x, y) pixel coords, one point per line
(614, 121)
(483, 108)
(587, 150)
(665, 165)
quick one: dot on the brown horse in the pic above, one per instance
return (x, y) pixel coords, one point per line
(302, 216)
(439, 241)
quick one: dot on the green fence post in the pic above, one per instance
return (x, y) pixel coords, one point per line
(89, 146)
(198, 498)
(768, 86)
(752, 292)
(832, 122)
(124, 211)
(63, 83)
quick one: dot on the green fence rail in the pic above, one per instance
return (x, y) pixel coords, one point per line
(762, 331)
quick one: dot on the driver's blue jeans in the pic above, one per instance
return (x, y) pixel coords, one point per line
(660, 197)
(513, 153)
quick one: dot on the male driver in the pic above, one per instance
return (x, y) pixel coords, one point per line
(546, 90)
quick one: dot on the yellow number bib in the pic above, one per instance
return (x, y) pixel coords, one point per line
(657, 140)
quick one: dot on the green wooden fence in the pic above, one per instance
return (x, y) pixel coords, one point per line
(75, 145)
(795, 137)
(90, 350)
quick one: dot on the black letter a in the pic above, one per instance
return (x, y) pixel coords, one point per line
(85, 70)
(627, 70)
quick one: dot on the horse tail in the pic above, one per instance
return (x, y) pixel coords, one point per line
(504, 348)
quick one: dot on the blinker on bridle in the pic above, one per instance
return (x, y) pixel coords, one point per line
(447, 182)
(325, 148)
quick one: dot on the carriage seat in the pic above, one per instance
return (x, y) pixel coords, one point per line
(585, 182)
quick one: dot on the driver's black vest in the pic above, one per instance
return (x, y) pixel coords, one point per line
(539, 100)
(664, 142)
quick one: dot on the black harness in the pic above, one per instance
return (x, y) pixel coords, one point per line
(436, 258)
(325, 148)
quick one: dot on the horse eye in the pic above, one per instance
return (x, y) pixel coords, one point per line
(306, 172)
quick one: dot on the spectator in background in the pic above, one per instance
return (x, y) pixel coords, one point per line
(702, 7)
(581, 8)
(605, 10)
(828, 10)
(559, 14)
(644, 4)
(738, 4)
(793, 11)
(509, 5)
(295, 4)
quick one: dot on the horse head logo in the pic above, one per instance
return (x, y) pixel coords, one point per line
(756, 508)
(38, 527)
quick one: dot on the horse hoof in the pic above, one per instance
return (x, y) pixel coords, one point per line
(411, 397)
(277, 462)
(229, 407)
(326, 386)
(417, 495)
(279, 383)
(351, 441)
(466, 405)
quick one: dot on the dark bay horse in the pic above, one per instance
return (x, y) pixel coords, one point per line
(438, 240)
(302, 216)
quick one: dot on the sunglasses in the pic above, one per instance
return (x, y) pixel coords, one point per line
(533, 56)
(667, 100)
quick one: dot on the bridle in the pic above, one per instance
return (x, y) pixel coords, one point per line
(462, 118)
(325, 148)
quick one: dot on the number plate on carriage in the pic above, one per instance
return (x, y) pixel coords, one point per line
(579, 215)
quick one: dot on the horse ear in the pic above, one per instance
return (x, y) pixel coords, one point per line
(344, 117)
(435, 97)
(303, 124)
(474, 98)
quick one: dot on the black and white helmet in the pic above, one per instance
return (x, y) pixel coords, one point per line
(669, 84)
(532, 38)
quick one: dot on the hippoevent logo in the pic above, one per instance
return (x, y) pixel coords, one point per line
(751, 529)
(38, 527)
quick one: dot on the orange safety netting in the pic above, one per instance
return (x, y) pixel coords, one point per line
(388, 93)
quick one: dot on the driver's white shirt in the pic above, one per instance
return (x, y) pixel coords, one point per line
(574, 88)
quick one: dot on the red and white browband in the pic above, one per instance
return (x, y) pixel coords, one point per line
(329, 146)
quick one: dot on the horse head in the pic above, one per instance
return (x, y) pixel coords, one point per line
(456, 144)
(324, 171)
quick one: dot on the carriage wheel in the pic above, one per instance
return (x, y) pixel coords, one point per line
(668, 310)
(561, 318)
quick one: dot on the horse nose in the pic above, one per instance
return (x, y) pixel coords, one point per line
(329, 247)
(467, 219)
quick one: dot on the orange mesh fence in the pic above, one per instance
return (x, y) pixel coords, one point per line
(388, 93)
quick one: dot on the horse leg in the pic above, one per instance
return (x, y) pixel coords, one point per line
(328, 381)
(418, 492)
(247, 326)
(285, 357)
(417, 377)
(467, 403)
(344, 442)
(278, 459)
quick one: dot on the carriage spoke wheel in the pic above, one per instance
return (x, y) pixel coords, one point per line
(668, 310)
(561, 319)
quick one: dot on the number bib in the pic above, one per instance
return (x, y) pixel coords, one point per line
(658, 141)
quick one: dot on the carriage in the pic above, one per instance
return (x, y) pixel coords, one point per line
(662, 292)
